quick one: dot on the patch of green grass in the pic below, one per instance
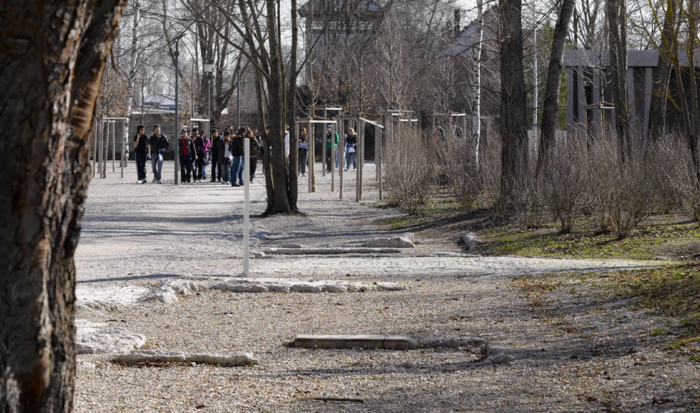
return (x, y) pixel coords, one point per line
(547, 242)
(673, 291)
(657, 332)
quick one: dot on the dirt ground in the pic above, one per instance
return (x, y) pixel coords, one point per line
(572, 348)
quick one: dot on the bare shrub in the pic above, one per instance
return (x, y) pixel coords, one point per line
(622, 191)
(683, 174)
(563, 181)
(409, 169)
(458, 164)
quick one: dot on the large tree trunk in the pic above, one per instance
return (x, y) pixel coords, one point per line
(275, 87)
(617, 27)
(53, 58)
(293, 188)
(550, 107)
(514, 153)
(662, 74)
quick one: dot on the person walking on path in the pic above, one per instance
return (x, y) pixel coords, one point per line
(303, 151)
(188, 155)
(439, 134)
(158, 145)
(216, 143)
(199, 148)
(207, 154)
(237, 151)
(457, 132)
(141, 153)
(224, 157)
(330, 144)
(351, 150)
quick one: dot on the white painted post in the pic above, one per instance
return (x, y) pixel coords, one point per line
(246, 202)
(296, 133)
(323, 144)
(122, 150)
(114, 146)
(378, 156)
(94, 148)
(333, 152)
(341, 160)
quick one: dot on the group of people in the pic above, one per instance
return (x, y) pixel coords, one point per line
(225, 154)
(332, 138)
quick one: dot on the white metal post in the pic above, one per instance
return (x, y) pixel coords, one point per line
(333, 152)
(378, 156)
(341, 155)
(246, 202)
(122, 149)
(114, 146)
(94, 147)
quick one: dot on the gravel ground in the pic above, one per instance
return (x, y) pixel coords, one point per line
(573, 352)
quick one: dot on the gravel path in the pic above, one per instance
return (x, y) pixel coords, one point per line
(571, 354)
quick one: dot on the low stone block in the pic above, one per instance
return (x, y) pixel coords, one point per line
(330, 251)
(470, 240)
(355, 341)
(155, 356)
(389, 242)
(110, 340)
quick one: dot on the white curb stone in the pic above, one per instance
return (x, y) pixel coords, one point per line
(155, 356)
(389, 242)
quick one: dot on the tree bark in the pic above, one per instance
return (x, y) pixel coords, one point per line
(617, 27)
(53, 56)
(293, 186)
(662, 74)
(275, 87)
(514, 152)
(550, 106)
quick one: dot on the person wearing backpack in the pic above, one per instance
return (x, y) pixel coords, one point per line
(141, 153)
(158, 144)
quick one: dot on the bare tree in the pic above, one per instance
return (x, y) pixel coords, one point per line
(617, 29)
(551, 94)
(49, 87)
(514, 152)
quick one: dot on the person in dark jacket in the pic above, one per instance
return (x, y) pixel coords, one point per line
(188, 155)
(237, 149)
(303, 151)
(215, 142)
(254, 151)
(141, 153)
(224, 156)
(201, 155)
(351, 149)
(158, 144)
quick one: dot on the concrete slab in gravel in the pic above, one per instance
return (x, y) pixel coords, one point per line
(155, 356)
(389, 242)
(330, 251)
(292, 285)
(355, 341)
(96, 338)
